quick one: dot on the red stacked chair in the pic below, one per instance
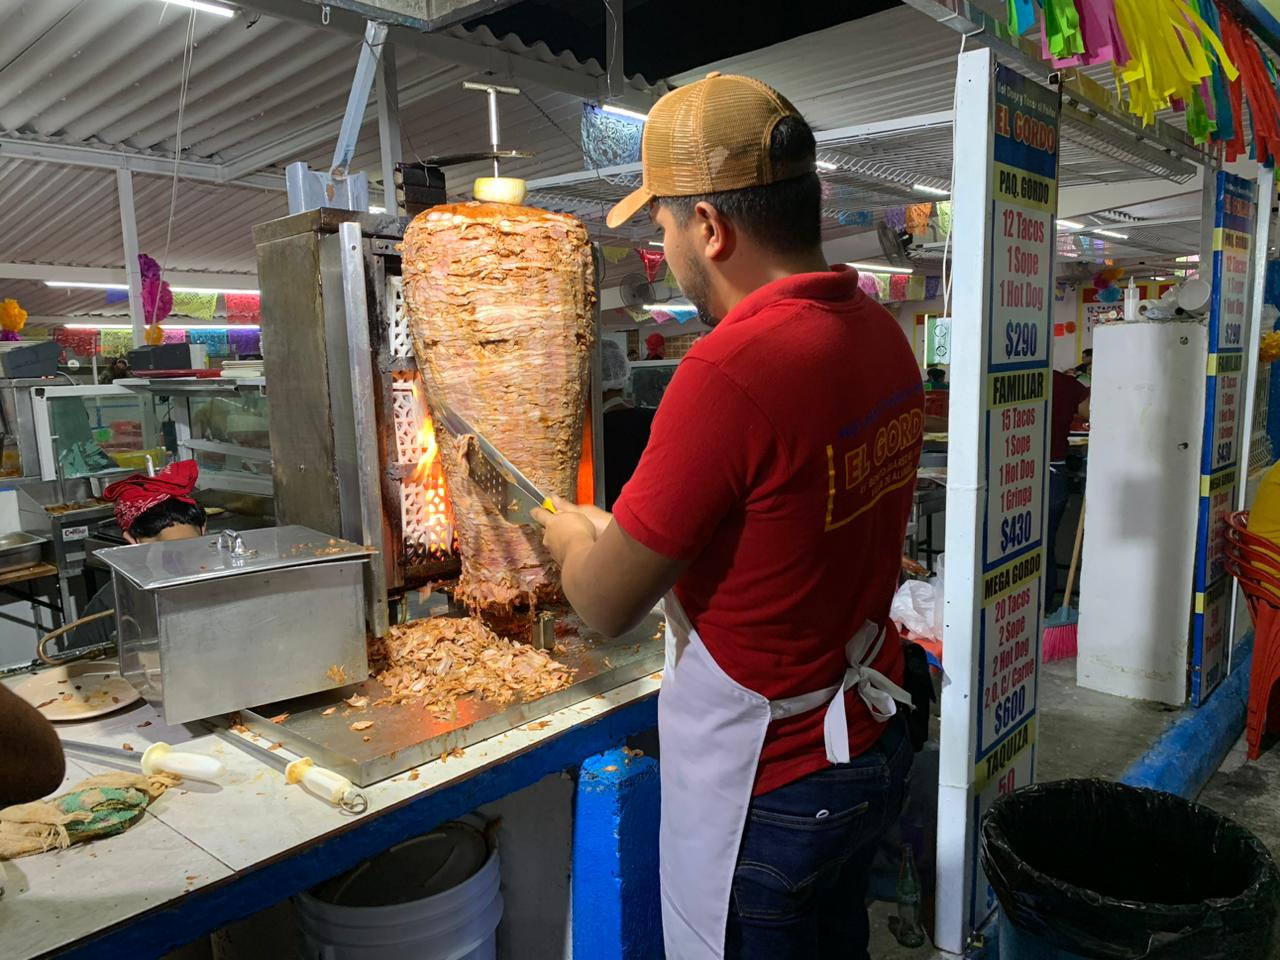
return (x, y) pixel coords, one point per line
(1255, 563)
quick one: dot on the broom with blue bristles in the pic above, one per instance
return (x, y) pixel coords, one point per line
(1061, 626)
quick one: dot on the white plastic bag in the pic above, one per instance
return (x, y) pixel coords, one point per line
(918, 606)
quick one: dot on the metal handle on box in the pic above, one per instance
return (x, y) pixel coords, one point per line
(233, 543)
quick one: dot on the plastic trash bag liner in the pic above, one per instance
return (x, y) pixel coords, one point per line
(1113, 872)
(918, 606)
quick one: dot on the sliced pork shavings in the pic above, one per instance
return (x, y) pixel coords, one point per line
(500, 304)
(437, 661)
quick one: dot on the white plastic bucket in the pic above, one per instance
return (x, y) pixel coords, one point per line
(458, 923)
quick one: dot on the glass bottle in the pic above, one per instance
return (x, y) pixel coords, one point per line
(908, 930)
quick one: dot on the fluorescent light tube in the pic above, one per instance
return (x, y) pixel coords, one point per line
(878, 268)
(624, 112)
(87, 285)
(214, 8)
(164, 326)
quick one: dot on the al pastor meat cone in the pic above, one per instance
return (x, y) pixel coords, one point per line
(500, 304)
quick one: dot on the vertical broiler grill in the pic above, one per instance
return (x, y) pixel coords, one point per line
(354, 455)
(351, 438)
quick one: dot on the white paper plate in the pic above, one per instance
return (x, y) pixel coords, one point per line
(78, 691)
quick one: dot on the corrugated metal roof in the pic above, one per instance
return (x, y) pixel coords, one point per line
(894, 64)
(106, 72)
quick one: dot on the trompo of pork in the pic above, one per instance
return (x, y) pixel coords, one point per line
(500, 304)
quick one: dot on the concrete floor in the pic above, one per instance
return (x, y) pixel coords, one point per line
(1249, 793)
(1082, 733)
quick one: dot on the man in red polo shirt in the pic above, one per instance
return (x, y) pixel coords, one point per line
(769, 508)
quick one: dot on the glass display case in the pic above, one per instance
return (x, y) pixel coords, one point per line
(227, 434)
(95, 432)
(649, 379)
(110, 431)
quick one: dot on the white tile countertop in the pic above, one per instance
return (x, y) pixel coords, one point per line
(197, 835)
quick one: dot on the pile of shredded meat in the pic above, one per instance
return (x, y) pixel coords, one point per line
(440, 660)
(500, 304)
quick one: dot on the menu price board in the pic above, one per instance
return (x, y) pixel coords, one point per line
(1003, 771)
(1009, 645)
(1219, 467)
(1017, 383)
(1018, 409)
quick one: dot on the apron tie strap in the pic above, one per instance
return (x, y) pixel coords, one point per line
(878, 692)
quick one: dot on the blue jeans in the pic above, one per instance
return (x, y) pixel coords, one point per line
(800, 887)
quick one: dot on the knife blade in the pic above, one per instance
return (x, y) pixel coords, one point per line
(514, 494)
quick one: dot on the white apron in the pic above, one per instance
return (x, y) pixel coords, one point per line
(711, 729)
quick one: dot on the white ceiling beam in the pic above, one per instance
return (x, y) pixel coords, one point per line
(132, 265)
(177, 278)
(105, 158)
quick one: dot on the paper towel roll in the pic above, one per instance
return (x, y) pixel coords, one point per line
(1193, 295)
(1146, 305)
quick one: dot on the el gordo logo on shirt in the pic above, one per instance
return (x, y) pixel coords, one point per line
(872, 457)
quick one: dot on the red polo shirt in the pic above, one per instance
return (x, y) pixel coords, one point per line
(782, 463)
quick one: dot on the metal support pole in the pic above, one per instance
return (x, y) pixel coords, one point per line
(132, 269)
(389, 127)
(1253, 334)
(375, 34)
(491, 92)
(613, 46)
(495, 136)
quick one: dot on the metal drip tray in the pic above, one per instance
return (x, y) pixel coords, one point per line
(405, 735)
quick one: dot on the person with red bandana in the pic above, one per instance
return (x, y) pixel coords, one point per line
(148, 509)
(655, 346)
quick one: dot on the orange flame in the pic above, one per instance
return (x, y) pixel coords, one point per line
(429, 473)
(427, 440)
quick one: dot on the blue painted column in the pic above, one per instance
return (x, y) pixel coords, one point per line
(615, 859)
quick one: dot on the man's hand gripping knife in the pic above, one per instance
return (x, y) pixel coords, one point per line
(611, 580)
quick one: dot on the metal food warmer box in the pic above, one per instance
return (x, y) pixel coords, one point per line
(350, 434)
(213, 624)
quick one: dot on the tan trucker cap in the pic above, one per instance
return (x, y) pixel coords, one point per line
(709, 136)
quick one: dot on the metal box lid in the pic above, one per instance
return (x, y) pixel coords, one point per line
(173, 563)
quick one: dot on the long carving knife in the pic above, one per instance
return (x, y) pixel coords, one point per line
(514, 494)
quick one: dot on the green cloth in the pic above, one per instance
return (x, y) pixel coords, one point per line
(111, 810)
(101, 806)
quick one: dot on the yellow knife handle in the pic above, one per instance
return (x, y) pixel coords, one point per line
(548, 506)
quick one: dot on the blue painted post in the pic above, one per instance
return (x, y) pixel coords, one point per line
(615, 859)
(1184, 758)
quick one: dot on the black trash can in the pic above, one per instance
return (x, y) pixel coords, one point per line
(1100, 870)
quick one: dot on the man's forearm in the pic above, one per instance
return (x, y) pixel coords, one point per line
(582, 589)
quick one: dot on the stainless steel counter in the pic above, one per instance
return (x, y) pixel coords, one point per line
(406, 735)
